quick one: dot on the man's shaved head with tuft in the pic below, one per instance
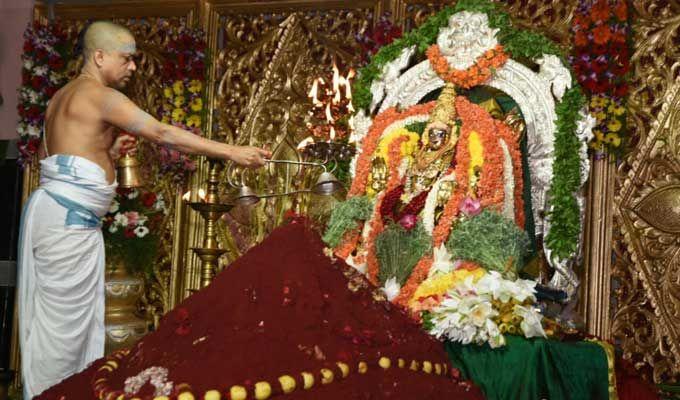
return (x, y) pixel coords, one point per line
(109, 48)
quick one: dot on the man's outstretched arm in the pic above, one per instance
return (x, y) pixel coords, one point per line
(121, 112)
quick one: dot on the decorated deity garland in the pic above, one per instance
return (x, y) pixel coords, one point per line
(563, 208)
(371, 141)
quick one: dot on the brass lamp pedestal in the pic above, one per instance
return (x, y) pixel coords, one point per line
(211, 210)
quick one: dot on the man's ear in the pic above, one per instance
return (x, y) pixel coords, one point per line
(99, 57)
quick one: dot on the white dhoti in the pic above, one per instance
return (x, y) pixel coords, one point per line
(61, 272)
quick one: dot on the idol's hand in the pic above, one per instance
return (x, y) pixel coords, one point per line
(248, 156)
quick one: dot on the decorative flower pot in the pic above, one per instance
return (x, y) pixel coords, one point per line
(123, 291)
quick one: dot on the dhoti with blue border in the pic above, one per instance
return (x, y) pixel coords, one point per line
(61, 272)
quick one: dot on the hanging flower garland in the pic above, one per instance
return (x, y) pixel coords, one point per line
(46, 49)
(516, 155)
(601, 62)
(476, 74)
(184, 77)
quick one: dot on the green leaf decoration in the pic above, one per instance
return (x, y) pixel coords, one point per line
(490, 240)
(399, 250)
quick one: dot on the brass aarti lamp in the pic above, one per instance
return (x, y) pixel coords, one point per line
(326, 185)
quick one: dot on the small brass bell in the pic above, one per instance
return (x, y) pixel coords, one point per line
(128, 172)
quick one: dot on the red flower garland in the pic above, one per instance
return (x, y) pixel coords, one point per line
(390, 202)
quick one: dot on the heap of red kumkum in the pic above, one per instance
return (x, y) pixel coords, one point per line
(283, 321)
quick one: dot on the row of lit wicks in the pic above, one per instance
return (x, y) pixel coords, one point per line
(327, 183)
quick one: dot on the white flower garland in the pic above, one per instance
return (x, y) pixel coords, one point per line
(508, 183)
(431, 202)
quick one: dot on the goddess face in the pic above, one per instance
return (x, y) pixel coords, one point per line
(438, 135)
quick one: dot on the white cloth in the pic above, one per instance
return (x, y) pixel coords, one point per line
(61, 272)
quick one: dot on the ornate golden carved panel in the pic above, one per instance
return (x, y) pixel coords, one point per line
(247, 36)
(263, 65)
(645, 318)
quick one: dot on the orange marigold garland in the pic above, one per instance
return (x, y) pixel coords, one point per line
(491, 181)
(418, 275)
(370, 142)
(394, 155)
(477, 74)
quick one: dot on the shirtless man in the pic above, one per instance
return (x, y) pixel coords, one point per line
(61, 250)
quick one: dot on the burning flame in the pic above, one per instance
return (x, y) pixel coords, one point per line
(348, 88)
(201, 194)
(313, 93)
(329, 116)
(187, 196)
(336, 78)
(335, 93)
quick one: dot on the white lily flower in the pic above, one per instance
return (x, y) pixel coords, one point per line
(496, 338)
(442, 263)
(480, 313)
(531, 321)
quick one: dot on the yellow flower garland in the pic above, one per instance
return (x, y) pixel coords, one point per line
(407, 148)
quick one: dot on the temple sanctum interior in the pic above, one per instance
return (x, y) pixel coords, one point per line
(321, 199)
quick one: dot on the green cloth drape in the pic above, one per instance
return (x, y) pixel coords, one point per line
(534, 369)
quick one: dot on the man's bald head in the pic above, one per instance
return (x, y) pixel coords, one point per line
(107, 36)
(108, 51)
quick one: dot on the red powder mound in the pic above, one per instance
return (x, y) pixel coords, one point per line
(282, 309)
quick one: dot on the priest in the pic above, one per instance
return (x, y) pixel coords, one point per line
(61, 249)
